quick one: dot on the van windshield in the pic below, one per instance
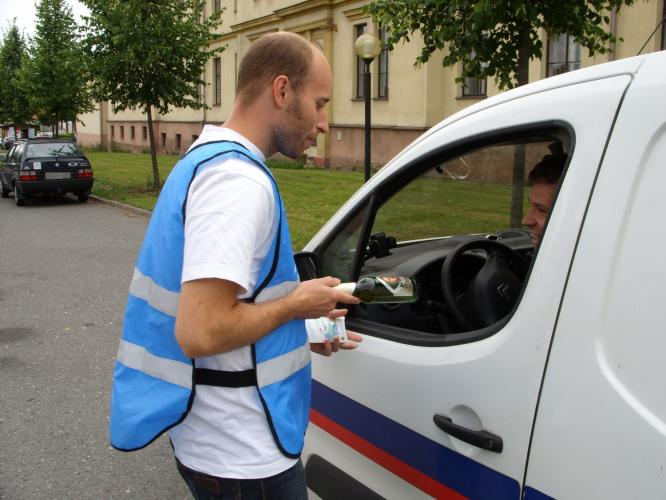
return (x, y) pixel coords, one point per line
(51, 149)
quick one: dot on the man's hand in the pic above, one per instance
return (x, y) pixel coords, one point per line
(327, 348)
(316, 298)
(211, 320)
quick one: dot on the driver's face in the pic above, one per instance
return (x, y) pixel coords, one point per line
(541, 200)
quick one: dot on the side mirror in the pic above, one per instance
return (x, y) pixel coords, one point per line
(307, 265)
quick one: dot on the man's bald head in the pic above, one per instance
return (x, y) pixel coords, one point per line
(276, 54)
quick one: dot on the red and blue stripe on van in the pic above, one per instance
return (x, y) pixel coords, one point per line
(422, 462)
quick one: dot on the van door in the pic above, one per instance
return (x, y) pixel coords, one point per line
(374, 410)
(600, 430)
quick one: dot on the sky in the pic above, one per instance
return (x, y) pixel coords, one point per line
(24, 12)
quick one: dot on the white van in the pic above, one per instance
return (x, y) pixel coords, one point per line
(557, 393)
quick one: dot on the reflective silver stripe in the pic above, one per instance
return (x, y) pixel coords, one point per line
(275, 292)
(277, 369)
(160, 298)
(135, 356)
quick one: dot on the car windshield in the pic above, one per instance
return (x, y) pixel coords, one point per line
(51, 149)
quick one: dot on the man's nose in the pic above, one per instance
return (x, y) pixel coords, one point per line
(528, 220)
(322, 122)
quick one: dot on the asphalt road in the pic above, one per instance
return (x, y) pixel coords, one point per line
(64, 272)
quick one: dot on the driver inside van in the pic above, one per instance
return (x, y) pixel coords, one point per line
(544, 178)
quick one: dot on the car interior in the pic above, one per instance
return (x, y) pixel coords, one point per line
(446, 222)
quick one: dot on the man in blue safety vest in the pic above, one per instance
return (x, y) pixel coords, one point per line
(215, 345)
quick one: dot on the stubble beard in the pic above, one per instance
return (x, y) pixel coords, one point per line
(287, 136)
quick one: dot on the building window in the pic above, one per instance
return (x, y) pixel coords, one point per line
(360, 63)
(218, 81)
(144, 133)
(113, 131)
(122, 131)
(473, 86)
(382, 76)
(216, 6)
(163, 137)
(178, 142)
(194, 138)
(563, 54)
(132, 132)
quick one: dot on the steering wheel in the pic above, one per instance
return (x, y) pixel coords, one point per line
(492, 292)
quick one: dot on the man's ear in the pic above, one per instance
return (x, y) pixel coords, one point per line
(281, 91)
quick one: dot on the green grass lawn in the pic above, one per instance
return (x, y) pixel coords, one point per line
(428, 207)
(311, 196)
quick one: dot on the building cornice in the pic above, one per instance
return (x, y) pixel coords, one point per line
(258, 34)
(267, 23)
(302, 8)
(325, 23)
(355, 14)
(256, 23)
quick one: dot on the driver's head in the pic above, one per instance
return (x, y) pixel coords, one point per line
(544, 179)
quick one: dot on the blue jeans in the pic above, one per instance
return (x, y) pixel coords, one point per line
(287, 485)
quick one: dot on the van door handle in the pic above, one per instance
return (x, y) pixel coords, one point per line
(482, 439)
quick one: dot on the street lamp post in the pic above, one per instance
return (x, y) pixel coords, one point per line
(367, 48)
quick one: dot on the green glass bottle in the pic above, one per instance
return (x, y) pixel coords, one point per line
(382, 289)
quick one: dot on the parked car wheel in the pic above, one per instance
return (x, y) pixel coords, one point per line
(83, 197)
(19, 198)
(4, 191)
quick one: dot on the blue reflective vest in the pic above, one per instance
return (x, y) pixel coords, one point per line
(154, 383)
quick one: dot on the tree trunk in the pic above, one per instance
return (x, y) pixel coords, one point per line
(55, 120)
(153, 150)
(522, 77)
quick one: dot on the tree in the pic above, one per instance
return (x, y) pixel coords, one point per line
(14, 107)
(149, 55)
(55, 74)
(496, 38)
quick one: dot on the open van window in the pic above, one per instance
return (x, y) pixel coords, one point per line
(455, 224)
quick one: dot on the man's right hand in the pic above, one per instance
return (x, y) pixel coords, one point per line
(318, 297)
(211, 320)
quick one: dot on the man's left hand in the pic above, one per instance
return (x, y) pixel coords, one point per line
(327, 348)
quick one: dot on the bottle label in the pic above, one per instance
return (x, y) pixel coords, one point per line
(398, 286)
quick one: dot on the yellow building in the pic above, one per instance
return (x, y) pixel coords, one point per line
(406, 100)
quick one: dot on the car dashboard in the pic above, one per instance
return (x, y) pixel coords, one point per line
(423, 261)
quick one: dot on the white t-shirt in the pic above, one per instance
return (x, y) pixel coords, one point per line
(228, 232)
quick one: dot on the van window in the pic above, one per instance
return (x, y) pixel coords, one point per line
(478, 196)
(338, 258)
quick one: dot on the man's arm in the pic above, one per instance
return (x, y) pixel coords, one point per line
(211, 320)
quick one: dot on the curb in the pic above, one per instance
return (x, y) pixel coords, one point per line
(123, 206)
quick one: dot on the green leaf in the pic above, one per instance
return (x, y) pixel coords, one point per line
(491, 29)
